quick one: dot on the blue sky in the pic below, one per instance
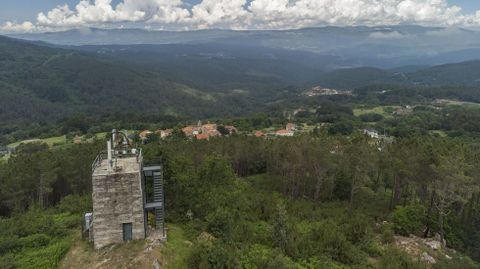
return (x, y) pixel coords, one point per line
(232, 14)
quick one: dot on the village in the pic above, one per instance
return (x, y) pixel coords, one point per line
(210, 130)
(200, 131)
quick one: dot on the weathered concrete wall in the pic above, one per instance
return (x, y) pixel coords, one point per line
(117, 199)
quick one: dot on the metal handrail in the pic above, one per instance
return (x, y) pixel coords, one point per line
(98, 160)
(104, 155)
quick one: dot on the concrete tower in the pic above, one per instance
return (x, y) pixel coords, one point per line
(118, 194)
(120, 205)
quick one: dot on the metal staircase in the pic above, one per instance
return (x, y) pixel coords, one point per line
(158, 198)
(157, 205)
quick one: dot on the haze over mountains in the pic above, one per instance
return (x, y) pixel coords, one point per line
(383, 47)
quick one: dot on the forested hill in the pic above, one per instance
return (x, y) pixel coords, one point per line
(458, 74)
(43, 84)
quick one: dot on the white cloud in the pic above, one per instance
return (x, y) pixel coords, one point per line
(18, 27)
(231, 13)
(243, 14)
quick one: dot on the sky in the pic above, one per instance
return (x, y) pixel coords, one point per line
(58, 15)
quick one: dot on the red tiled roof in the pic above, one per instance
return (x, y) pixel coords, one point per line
(188, 130)
(259, 134)
(202, 136)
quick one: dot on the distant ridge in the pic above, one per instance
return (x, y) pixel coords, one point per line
(379, 46)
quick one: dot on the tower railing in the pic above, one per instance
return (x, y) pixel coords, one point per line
(98, 160)
(104, 156)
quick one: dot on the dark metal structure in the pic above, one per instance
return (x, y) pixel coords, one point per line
(155, 203)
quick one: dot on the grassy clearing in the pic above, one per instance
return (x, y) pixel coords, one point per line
(51, 141)
(196, 93)
(177, 248)
(385, 111)
(455, 103)
(55, 141)
(439, 133)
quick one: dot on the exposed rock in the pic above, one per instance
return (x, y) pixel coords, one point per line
(433, 244)
(427, 258)
(448, 257)
(205, 237)
(156, 264)
(408, 244)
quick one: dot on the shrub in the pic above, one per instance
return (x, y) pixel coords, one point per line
(221, 223)
(214, 255)
(327, 239)
(281, 262)
(8, 244)
(387, 234)
(256, 256)
(44, 258)
(396, 259)
(67, 220)
(323, 263)
(34, 241)
(260, 232)
(408, 219)
(7, 262)
(75, 204)
(457, 263)
(371, 117)
(358, 229)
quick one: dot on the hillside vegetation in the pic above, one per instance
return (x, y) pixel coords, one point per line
(41, 84)
(311, 201)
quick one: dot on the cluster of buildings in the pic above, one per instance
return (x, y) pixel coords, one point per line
(199, 131)
(208, 130)
(289, 130)
(320, 91)
(161, 133)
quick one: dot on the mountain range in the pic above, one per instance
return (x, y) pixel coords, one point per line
(207, 73)
(345, 47)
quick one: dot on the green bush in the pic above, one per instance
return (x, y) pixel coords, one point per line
(75, 204)
(358, 229)
(212, 255)
(256, 257)
(408, 219)
(8, 244)
(220, 223)
(327, 239)
(396, 259)
(34, 241)
(322, 263)
(457, 263)
(387, 234)
(281, 262)
(7, 262)
(43, 258)
(371, 117)
(37, 221)
(260, 232)
(67, 220)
